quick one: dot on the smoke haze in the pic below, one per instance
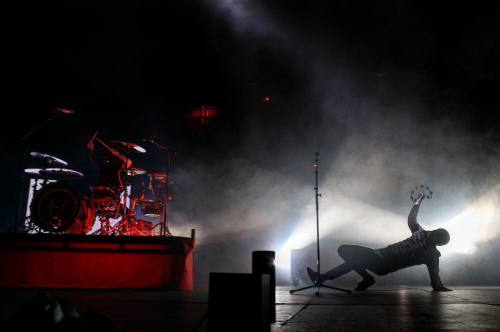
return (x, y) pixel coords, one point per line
(377, 140)
(391, 94)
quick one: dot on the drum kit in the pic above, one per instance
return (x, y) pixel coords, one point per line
(56, 206)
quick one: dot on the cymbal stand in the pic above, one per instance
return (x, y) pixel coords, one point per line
(165, 195)
(123, 224)
(318, 285)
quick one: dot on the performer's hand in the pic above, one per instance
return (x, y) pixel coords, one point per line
(419, 199)
(441, 289)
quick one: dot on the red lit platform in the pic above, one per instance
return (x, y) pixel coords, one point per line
(79, 261)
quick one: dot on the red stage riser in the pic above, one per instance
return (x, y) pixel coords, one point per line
(67, 261)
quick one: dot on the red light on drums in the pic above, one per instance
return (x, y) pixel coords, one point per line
(111, 208)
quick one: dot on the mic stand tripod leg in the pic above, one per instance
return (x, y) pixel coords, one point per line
(319, 286)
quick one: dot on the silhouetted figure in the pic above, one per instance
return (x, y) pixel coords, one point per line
(418, 249)
(109, 160)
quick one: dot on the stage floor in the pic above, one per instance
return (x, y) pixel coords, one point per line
(381, 309)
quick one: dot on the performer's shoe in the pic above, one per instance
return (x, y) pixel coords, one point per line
(441, 289)
(315, 276)
(365, 283)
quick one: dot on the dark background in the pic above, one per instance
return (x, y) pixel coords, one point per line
(414, 77)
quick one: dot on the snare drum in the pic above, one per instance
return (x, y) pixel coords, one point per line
(106, 201)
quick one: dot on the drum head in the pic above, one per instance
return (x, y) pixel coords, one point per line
(85, 221)
(55, 207)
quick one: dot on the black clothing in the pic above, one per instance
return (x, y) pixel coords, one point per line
(109, 167)
(407, 253)
(415, 250)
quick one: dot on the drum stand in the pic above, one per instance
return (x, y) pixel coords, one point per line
(29, 226)
(318, 285)
(164, 211)
(105, 228)
(165, 195)
(126, 214)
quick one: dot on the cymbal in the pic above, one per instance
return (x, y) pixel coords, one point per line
(129, 147)
(48, 158)
(158, 176)
(51, 173)
(134, 171)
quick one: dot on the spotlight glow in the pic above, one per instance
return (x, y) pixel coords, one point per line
(347, 220)
(350, 221)
(478, 223)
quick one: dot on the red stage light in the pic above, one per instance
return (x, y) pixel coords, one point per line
(200, 117)
(267, 99)
(203, 113)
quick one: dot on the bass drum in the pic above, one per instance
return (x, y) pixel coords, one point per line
(60, 208)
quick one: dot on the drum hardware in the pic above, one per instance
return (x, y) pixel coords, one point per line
(126, 161)
(133, 171)
(151, 208)
(162, 179)
(128, 147)
(140, 228)
(105, 227)
(61, 208)
(106, 201)
(158, 176)
(56, 113)
(112, 203)
(124, 200)
(128, 212)
(39, 178)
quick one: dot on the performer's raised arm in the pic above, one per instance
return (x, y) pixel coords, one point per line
(412, 217)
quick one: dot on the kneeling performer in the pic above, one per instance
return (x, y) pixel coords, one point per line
(418, 249)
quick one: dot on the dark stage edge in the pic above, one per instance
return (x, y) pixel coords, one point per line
(381, 309)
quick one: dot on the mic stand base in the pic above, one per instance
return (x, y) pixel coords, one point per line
(318, 286)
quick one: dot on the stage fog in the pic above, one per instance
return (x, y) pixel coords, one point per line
(378, 136)
(288, 83)
(262, 198)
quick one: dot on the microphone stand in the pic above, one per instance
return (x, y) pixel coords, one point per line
(318, 285)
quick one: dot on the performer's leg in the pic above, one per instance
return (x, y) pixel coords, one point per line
(356, 258)
(360, 258)
(367, 281)
(357, 255)
(338, 271)
(330, 275)
(353, 256)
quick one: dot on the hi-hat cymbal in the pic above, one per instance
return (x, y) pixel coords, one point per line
(129, 147)
(135, 171)
(53, 173)
(51, 160)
